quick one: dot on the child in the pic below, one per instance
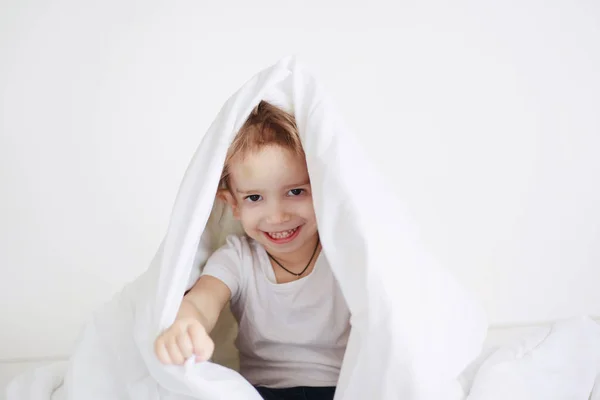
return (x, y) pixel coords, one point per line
(293, 319)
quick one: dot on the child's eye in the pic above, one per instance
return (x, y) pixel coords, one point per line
(296, 192)
(253, 198)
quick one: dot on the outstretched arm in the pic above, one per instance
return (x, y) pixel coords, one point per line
(196, 318)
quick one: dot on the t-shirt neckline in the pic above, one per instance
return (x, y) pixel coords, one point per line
(268, 272)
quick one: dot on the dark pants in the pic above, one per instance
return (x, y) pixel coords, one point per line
(297, 393)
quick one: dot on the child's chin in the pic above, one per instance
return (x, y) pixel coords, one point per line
(280, 248)
(284, 247)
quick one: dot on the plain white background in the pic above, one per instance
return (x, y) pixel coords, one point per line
(485, 120)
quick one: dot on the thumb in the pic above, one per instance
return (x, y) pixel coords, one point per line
(205, 352)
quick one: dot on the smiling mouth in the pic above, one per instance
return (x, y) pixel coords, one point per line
(283, 236)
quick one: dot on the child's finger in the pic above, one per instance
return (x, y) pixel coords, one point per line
(175, 353)
(201, 342)
(185, 345)
(162, 353)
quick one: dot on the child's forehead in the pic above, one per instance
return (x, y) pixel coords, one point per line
(267, 157)
(268, 167)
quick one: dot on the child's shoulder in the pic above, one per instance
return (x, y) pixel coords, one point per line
(242, 244)
(236, 240)
(236, 254)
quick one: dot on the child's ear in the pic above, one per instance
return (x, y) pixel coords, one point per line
(226, 196)
(223, 195)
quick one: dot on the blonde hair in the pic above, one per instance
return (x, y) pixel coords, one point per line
(266, 125)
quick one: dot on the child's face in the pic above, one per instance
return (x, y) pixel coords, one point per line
(271, 196)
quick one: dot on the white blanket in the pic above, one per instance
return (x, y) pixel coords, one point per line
(413, 327)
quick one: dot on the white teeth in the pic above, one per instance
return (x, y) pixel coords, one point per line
(282, 234)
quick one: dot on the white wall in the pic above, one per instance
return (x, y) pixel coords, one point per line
(485, 119)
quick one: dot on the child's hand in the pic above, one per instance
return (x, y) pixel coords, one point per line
(186, 337)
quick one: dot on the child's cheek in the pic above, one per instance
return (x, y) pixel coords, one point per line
(307, 206)
(248, 214)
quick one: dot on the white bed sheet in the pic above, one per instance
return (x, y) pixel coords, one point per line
(9, 370)
(496, 338)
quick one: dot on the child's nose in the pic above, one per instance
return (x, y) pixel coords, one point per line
(279, 218)
(278, 215)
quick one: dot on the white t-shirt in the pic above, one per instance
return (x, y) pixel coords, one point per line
(290, 334)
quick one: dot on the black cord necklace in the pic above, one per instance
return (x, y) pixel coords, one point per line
(305, 268)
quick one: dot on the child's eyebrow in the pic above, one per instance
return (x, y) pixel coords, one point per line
(304, 183)
(247, 191)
